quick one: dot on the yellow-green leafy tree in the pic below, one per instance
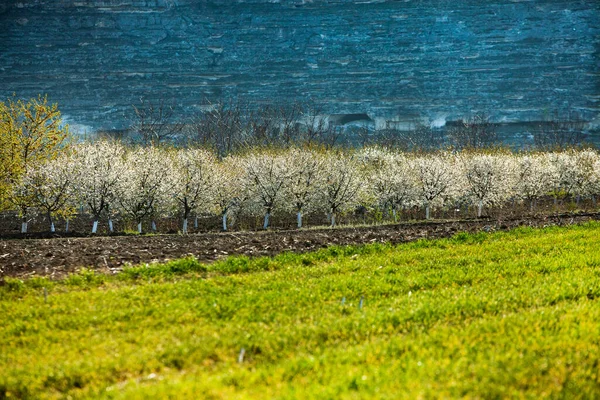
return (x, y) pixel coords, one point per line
(31, 132)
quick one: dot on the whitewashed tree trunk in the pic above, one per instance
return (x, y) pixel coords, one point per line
(427, 211)
(266, 223)
(299, 219)
(332, 219)
(185, 226)
(24, 227)
(196, 223)
(110, 225)
(52, 228)
(225, 221)
(153, 226)
(139, 227)
(67, 226)
(395, 214)
(479, 208)
(95, 227)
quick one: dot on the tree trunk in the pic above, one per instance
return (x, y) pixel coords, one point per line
(395, 214)
(110, 225)
(186, 215)
(266, 223)
(225, 221)
(139, 227)
(427, 211)
(196, 222)
(332, 219)
(299, 219)
(95, 226)
(153, 226)
(67, 226)
(24, 225)
(479, 208)
(52, 228)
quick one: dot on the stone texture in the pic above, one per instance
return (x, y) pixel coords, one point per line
(435, 60)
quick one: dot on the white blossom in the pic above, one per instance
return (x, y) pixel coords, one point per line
(533, 178)
(192, 178)
(304, 177)
(585, 175)
(143, 190)
(51, 184)
(562, 167)
(268, 173)
(99, 167)
(390, 179)
(436, 178)
(229, 192)
(488, 179)
(342, 184)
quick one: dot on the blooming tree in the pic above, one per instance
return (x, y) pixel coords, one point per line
(305, 175)
(488, 178)
(268, 173)
(143, 188)
(193, 176)
(585, 175)
(435, 178)
(532, 178)
(31, 133)
(342, 183)
(230, 188)
(100, 166)
(595, 186)
(51, 185)
(562, 167)
(391, 181)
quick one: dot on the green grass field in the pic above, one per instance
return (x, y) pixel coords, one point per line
(497, 315)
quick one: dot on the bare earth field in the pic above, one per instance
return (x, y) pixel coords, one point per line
(57, 256)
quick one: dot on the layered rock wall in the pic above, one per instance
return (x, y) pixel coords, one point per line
(405, 60)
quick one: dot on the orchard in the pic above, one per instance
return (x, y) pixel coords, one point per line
(108, 180)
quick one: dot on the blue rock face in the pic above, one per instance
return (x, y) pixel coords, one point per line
(393, 60)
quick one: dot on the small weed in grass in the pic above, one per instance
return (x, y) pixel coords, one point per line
(167, 270)
(13, 285)
(85, 278)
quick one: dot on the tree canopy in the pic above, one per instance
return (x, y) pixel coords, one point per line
(31, 132)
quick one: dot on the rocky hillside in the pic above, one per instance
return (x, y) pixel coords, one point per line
(437, 60)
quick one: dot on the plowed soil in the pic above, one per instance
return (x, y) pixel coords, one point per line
(57, 256)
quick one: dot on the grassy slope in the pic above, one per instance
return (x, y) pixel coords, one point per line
(489, 315)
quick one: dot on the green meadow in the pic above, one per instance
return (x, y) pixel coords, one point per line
(499, 315)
